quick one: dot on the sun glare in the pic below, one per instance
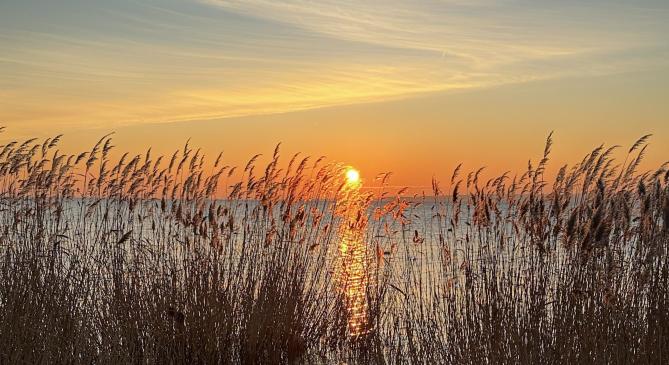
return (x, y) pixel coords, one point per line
(352, 176)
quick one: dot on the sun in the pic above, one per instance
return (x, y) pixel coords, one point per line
(352, 176)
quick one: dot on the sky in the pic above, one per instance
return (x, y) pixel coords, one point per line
(413, 87)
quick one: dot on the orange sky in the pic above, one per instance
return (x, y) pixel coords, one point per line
(428, 136)
(414, 88)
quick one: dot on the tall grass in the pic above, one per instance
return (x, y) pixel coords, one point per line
(173, 260)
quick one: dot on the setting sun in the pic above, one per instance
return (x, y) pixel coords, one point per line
(352, 176)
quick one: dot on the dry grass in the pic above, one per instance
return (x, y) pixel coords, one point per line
(136, 261)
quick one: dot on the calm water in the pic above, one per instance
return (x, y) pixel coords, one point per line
(418, 255)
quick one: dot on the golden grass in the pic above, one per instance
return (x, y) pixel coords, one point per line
(137, 261)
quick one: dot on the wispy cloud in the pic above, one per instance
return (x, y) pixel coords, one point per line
(484, 32)
(127, 62)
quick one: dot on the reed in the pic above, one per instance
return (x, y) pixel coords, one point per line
(172, 259)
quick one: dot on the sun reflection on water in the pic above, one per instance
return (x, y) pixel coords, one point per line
(353, 268)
